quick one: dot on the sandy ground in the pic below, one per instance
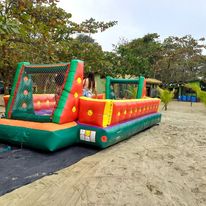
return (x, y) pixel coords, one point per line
(165, 165)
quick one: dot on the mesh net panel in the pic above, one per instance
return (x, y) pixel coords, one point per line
(40, 89)
(123, 91)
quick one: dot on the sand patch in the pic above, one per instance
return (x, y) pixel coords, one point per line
(164, 165)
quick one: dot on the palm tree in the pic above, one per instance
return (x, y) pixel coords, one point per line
(166, 96)
(200, 94)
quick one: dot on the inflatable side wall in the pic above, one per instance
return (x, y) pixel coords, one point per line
(67, 108)
(105, 137)
(15, 86)
(23, 104)
(104, 113)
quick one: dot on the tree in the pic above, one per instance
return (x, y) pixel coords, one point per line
(96, 60)
(85, 39)
(111, 65)
(90, 53)
(37, 31)
(139, 56)
(200, 94)
(166, 96)
(182, 59)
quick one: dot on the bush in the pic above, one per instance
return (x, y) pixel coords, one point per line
(200, 94)
(166, 96)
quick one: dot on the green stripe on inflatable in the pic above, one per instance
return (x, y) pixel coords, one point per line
(124, 81)
(108, 88)
(121, 131)
(110, 81)
(140, 87)
(14, 85)
(67, 88)
(72, 72)
(38, 139)
(30, 117)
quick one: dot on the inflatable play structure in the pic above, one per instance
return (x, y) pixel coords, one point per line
(46, 109)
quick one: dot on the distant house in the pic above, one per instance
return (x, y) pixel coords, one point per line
(151, 85)
(183, 93)
(100, 83)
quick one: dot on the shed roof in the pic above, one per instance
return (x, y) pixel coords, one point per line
(153, 81)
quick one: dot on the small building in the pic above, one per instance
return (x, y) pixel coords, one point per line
(183, 93)
(100, 83)
(151, 85)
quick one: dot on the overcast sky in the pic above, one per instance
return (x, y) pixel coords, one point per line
(139, 17)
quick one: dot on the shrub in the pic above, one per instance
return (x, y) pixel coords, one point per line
(166, 96)
(200, 94)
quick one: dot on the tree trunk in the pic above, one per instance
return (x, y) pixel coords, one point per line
(165, 107)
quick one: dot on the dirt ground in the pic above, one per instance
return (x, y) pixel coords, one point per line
(164, 165)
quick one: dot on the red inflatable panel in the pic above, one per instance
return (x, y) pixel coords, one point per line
(99, 96)
(44, 101)
(70, 111)
(91, 112)
(126, 110)
(71, 107)
(117, 113)
(109, 112)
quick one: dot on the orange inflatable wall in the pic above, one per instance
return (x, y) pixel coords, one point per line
(44, 101)
(40, 101)
(131, 109)
(71, 96)
(94, 111)
(104, 112)
(99, 96)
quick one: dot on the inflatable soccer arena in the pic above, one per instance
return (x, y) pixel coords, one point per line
(46, 109)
